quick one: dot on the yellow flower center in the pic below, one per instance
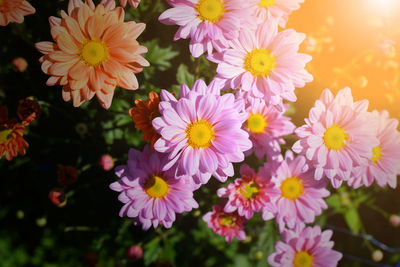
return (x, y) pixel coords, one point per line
(335, 137)
(266, 3)
(291, 188)
(211, 10)
(256, 123)
(377, 154)
(226, 220)
(259, 62)
(5, 135)
(156, 187)
(200, 134)
(249, 190)
(94, 52)
(303, 259)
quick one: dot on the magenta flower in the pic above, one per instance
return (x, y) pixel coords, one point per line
(201, 132)
(277, 9)
(248, 194)
(301, 196)
(264, 63)
(148, 192)
(337, 136)
(383, 166)
(210, 24)
(225, 224)
(305, 247)
(266, 126)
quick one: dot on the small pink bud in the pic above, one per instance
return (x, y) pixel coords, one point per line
(20, 64)
(394, 220)
(377, 255)
(134, 253)
(106, 162)
(57, 197)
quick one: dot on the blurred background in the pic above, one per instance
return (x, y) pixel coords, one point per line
(353, 43)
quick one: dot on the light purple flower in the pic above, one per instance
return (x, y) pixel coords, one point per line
(305, 247)
(149, 193)
(337, 136)
(201, 132)
(277, 9)
(210, 24)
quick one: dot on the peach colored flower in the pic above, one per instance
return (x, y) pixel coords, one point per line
(143, 115)
(11, 132)
(95, 51)
(14, 11)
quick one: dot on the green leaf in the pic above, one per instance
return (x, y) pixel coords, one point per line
(151, 251)
(183, 75)
(353, 219)
(159, 56)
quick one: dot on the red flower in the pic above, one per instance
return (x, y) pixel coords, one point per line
(57, 197)
(28, 111)
(66, 175)
(11, 132)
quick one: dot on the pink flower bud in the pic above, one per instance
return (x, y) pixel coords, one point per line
(20, 64)
(377, 255)
(395, 220)
(106, 162)
(57, 197)
(134, 253)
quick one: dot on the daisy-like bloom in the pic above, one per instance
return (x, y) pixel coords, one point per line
(28, 110)
(95, 51)
(301, 196)
(149, 193)
(264, 63)
(337, 136)
(210, 24)
(248, 194)
(201, 132)
(278, 9)
(384, 163)
(143, 115)
(14, 11)
(12, 141)
(305, 247)
(225, 224)
(266, 125)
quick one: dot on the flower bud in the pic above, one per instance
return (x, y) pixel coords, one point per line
(106, 162)
(20, 64)
(134, 253)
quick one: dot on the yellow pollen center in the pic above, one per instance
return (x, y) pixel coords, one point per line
(376, 154)
(226, 220)
(291, 188)
(5, 135)
(210, 10)
(156, 187)
(200, 134)
(303, 259)
(335, 137)
(259, 62)
(94, 52)
(256, 123)
(249, 190)
(266, 3)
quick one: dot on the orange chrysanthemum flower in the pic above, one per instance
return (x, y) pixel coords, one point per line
(14, 11)
(143, 114)
(95, 51)
(11, 132)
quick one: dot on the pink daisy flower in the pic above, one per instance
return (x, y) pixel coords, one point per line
(201, 132)
(149, 193)
(301, 196)
(266, 125)
(305, 247)
(248, 194)
(264, 63)
(337, 136)
(383, 166)
(277, 9)
(225, 224)
(210, 24)
(14, 11)
(94, 51)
